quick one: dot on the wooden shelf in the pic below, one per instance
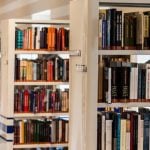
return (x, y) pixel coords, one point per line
(34, 115)
(123, 52)
(36, 83)
(131, 104)
(48, 52)
(44, 145)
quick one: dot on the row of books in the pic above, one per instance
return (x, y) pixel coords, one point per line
(49, 69)
(39, 100)
(51, 148)
(119, 30)
(123, 131)
(36, 131)
(50, 38)
(124, 82)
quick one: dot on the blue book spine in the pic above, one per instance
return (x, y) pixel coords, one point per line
(118, 131)
(19, 39)
(104, 34)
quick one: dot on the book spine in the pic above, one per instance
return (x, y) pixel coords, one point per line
(123, 135)
(114, 92)
(143, 84)
(139, 83)
(118, 131)
(26, 101)
(103, 135)
(119, 29)
(125, 83)
(146, 132)
(109, 86)
(126, 31)
(108, 131)
(113, 29)
(21, 126)
(104, 34)
(146, 31)
(108, 18)
(127, 134)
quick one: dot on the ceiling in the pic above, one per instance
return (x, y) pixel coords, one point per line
(25, 8)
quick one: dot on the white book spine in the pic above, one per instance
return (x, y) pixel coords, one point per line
(108, 143)
(128, 141)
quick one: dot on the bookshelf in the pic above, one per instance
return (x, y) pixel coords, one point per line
(42, 111)
(112, 121)
(83, 82)
(125, 8)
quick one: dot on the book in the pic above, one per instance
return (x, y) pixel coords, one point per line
(47, 38)
(39, 100)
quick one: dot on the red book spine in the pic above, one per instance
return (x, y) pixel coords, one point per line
(26, 101)
(50, 73)
(63, 39)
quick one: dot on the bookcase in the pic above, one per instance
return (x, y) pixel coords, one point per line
(83, 85)
(35, 84)
(121, 40)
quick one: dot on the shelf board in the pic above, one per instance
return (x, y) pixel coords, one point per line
(46, 52)
(35, 115)
(123, 52)
(51, 22)
(125, 3)
(39, 83)
(44, 145)
(132, 104)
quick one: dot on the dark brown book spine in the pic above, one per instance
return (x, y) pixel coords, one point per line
(125, 84)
